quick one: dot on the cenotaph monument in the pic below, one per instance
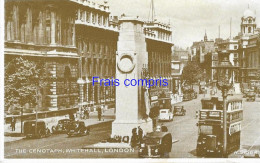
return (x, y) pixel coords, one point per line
(130, 60)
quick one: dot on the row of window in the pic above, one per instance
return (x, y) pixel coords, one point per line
(101, 68)
(90, 46)
(160, 56)
(31, 25)
(159, 69)
(234, 105)
(92, 17)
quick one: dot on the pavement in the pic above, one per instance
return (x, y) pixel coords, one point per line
(107, 116)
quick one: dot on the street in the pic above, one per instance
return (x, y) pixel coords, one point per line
(183, 129)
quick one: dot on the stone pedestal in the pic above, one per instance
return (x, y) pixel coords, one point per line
(130, 61)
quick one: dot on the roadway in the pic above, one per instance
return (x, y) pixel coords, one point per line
(183, 129)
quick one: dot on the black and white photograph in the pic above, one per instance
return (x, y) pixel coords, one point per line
(131, 79)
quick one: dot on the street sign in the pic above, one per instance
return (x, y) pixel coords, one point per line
(215, 114)
(235, 127)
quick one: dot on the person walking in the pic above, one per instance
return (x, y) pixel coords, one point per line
(99, 113)
(87, 113)
(13, 121)
(134, 138)
(197, 114)
(140, 134)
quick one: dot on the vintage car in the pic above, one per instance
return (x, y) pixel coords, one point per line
(165, 115)
(179, 110)
(36, 130)
(189, 95)
(156, 145)
(61, 127)
(164, 103)
(78, 128)
(250, 96)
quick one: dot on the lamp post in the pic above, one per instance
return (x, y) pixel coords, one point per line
(87, 91)
(225, 72)
(37, 101)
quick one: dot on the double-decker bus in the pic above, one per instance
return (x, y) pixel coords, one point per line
(210, 126)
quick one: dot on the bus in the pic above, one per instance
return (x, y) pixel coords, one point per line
(210, 126)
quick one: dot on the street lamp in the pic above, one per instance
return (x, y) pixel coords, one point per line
(225, 72)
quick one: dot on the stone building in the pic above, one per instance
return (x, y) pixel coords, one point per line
(201, 48)
(76, 40)
(43, 32)
(249, 53)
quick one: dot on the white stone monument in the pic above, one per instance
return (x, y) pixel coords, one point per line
(131, 58)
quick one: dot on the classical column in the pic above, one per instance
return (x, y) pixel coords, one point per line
(16, 23)
(53, 89)
(78, 18)
(73, 35)
(29, 34)
(53, 26)
(104, 92)
(87, 91)
(81, 82)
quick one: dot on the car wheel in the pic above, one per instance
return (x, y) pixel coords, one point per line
(53, 129)
(39, 134)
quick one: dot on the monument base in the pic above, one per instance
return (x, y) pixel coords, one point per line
(124, 128)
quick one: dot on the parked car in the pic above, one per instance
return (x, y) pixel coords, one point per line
(156, 145)
(165, 115)
(78, 128)
(36, 130)
(189, 95)
(250, 96)
(62, 126)
(179, 110)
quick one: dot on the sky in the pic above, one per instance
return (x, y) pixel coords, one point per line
(190, 18)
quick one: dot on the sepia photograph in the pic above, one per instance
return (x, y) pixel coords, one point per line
(132, 79)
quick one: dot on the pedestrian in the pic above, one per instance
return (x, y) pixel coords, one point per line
(164, 128)
(99, 113)
(140, 134)
(87, 113)
(71, 115)
(13, 121)
(197, 114)
(158, 128)
(134, 138)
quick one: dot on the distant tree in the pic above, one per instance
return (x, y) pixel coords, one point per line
(22, 82)
(192, 72)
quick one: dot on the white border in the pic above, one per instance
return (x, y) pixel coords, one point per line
(114, 160)
(2, 79)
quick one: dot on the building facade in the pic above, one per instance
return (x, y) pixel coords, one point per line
(76, 40)
(249, 54)
(43, 32)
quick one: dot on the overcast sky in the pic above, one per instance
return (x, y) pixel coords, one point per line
(190, 18)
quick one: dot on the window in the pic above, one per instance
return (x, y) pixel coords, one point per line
(249, 29)
(82, 15)
(58, 30)
(104, 21)
(207, 130)
(88, 17)
(250, 21)
(93, 18)
(48, 27)
(99, 20)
